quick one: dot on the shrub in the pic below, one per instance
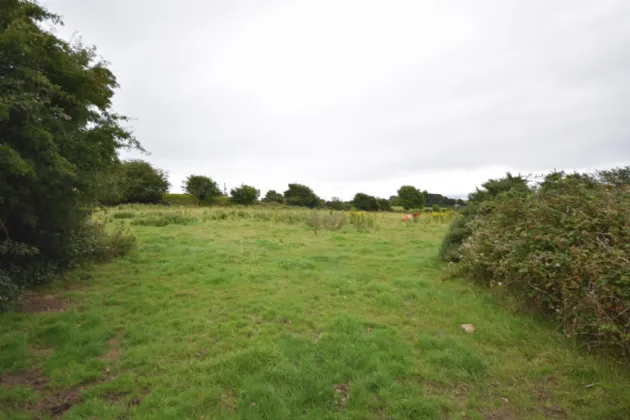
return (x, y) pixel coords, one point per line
(365, 202)
(335, 204)
(221, 201)
(488, 191)
(457, 233)
(245, 195)
(331, 221)
(564, 249)
(362, 220)
(273, 197)
(22, 268)
(301, 195)
(384, 204)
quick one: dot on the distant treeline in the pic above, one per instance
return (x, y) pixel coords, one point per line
(138, 181)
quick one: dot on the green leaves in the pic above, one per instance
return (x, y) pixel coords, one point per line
(58, 141)
(410, 197)
(202, 187)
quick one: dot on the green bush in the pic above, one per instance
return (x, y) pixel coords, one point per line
(365, 202)
(21, 267)
(457, 233)
(140, 182)
(564, 249)
(245, 195)
(460, 229)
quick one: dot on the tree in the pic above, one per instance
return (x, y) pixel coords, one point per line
(384, 204)
(494, 187)
(245, 195)
(336, 204)
(617, 176)
(410, 197)
(301, 195)
(202, 187)
(273, 197)
(59, 140)
(365, 202)
(142, 183)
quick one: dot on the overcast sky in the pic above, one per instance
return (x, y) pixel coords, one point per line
(349, 96)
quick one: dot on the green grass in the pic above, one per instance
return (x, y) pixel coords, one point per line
(251, 314)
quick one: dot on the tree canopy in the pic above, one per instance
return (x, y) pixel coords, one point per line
(245, 195)
(273, 196)
(365, 202)
(494, 187)
(142, 183)
(301, 195)
(59, 142)
(202, 187)
(410, 197)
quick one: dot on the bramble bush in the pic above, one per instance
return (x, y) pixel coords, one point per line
(562, 248)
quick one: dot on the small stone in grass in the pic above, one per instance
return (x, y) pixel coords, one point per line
(468, 328)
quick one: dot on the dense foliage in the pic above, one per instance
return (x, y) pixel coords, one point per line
(384, 204)
(301, 195)
(365, 202)
(460, 230)
(201, 187)
(245, 195)
(410, 197)
(562, 247)
(142, 183)
(336, 204)
(273, 196)
(58, 150)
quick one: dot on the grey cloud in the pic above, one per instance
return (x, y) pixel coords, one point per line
(363, 95)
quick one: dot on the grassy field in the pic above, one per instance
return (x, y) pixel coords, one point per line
(255, 314)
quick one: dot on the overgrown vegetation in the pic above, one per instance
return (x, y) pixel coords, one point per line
(58, 154)
(563, 248)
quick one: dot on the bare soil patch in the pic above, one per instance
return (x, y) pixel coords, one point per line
(33, 303)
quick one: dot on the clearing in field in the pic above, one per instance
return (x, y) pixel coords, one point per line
(255, 314)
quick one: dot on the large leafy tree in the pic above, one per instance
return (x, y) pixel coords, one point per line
(59, 140)
(58, 135)
(202, 187)
(301, 195)
(365, 202)
(142, 183)
(410, 197)
(245, 195)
